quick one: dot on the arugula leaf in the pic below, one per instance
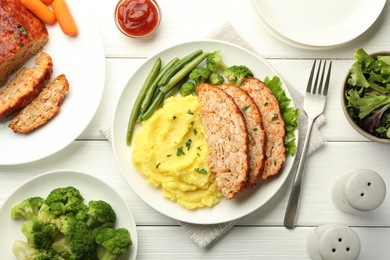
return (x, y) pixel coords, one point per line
(289, 113)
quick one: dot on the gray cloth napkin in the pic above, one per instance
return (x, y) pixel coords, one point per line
(203, 235)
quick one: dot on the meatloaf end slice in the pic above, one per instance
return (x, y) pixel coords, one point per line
(43, 108)
(227, 138)
(273, 124)
(25, 85)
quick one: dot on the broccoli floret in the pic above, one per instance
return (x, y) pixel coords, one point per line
(188, 88)
(82, 242)
(237, 73)
(100, 214)
(78, 241)
(27, 209)
(64, 200)
(23, 250)
(61, 245)
(216, 79)
(199, 75)
(214, 62)
(39, 234)
(65, 223)
(112, 242)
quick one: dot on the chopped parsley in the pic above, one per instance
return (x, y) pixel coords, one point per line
(180, 151)
(245, 108)
(274, 117)
(195, 131)
(201, 171)
(158, 165)
(190, 112)
(188, 144)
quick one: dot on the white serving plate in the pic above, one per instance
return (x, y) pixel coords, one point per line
(244, 203)
(82, 60)
(318, 24)
(91, 188)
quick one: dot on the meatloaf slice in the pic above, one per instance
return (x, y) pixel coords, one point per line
(227, 138)
(43, 108)
(273, 124)
(256, 133)
(25, 85)
(22, 36)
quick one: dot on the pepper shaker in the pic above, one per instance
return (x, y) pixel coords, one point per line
(333, 241)
(359, 191)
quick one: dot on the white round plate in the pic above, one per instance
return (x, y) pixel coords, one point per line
(90, 188)
(318, 23)
(244, 203)
(82, 60)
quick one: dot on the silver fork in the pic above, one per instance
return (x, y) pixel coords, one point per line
(314, 104)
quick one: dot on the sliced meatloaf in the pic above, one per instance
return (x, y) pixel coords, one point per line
(273, 124)
(255, 129)
(22, 35)
(227, 138)
(25, 85)
(43, 108)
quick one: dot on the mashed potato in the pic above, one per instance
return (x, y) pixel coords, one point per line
(171, 152)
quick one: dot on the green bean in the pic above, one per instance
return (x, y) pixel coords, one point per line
(150, 92)
(175, 89)
(172, 92)
(141, 94)
(153, 106)
(155, 94)
(184, 72)
(178, 66)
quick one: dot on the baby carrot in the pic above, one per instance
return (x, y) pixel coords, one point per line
(47, 2)
(40, 10)
(64, 17)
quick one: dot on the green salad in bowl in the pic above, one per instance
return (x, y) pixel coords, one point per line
(366, 95)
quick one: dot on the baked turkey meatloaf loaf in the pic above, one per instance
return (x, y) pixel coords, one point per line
(22, 35)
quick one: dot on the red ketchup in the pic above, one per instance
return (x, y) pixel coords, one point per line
(137, 18)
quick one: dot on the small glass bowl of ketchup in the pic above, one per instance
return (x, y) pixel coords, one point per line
(137, 18)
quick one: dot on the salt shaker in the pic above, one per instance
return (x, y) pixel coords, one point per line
(359, 191)
(333, 242)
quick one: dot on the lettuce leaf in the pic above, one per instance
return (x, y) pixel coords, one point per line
(289, 113)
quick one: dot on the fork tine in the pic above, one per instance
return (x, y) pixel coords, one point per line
(327, 79)
(322, 78)
(308, 88)
(314, 90)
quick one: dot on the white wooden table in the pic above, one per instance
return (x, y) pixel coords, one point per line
(260, 235)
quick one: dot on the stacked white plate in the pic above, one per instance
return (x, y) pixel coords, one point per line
(318, 24)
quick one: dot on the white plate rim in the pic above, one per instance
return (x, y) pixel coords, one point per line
(175, 211)
(74, 177)
(305, 44)
(51, 138)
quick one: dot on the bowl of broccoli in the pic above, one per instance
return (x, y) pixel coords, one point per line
(366, 95)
